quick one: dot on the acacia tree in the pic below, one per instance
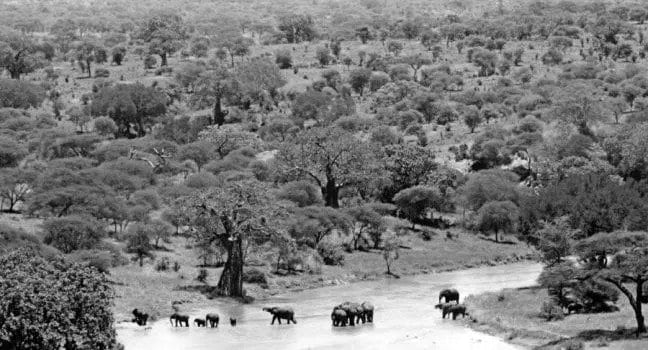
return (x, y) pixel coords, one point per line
(130, 105)
(578, 104)
(497, 216)
(236, 217)
(52, 304)
(87, 52)
(19, 54)
(621, 259)
(415, 202)
(331, 157)
(15, 186)
(211, 88)
(165, 34)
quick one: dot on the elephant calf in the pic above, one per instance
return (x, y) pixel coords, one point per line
(199, 322)
(454, 309)
(179, 318)
(339, 317)
(140, 317)
(212, 320)
(279, 313)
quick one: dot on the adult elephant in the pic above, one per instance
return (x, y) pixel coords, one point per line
(179, 318)
(212, 320)
(366, 313)
(140, 317)
(449, 295)
(339, 317)
(353, 310)
(279, 313)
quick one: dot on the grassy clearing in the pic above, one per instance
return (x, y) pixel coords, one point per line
(513, 314)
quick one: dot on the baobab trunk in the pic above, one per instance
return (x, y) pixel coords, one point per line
(163, 58)
(231, 280)
(218, 115)
(330, 192)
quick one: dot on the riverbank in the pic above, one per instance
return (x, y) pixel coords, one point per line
(154, 291)
(513, 314)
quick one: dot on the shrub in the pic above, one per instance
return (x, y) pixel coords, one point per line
(331, 254)
(71, 233)
(283, 58)
(551, 311)
(99, 259)
(102, 73)
(255, 276)
(176, 266)
(150, 62)
(377, 80)
(323, 55)
(105, 126)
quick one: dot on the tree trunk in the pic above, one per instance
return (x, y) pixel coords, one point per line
(330, 192)
(496, 238)
(141, 260)
(231, 280)
(641, 326)
(219, 116)
(163, 58)
(88, 67)
(15, 74)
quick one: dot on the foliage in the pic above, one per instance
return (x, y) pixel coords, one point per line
(331, 254)
(130, 106)
(497, 216)
(41, 303)
(20, 94)
(71, 233)
(416, 202)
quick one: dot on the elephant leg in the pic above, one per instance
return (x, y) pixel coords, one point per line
(273, 319)
(279, 319)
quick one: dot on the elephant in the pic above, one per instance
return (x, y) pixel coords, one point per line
(279, 313)
(140, 317)
(367, 312)
(199, 322)
(339, 317)
(233, 322)
(449, 295)
(353, 310)
(212, 320)
(454, 309)
(179, 318)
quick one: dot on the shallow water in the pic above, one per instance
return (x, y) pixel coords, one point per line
(405, 317)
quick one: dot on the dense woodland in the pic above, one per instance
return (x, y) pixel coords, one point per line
(293, 134)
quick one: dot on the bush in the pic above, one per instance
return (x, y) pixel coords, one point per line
(551, 311)
(71, 233)
(176, 266)
(99, 259)
(105, 126)
(331, 254)
(283, 58)
(255, 276)
(102, 73)
(323, 55)
(150, 62)
(573, 344)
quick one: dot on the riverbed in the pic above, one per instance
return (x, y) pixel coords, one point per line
(405, 317)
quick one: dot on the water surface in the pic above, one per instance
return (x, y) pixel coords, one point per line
(405, 317)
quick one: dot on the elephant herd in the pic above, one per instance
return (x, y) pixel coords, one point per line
(352, 313)
(448, 307)
(347, 313)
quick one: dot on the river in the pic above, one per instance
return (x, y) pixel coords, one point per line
(405, 317)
